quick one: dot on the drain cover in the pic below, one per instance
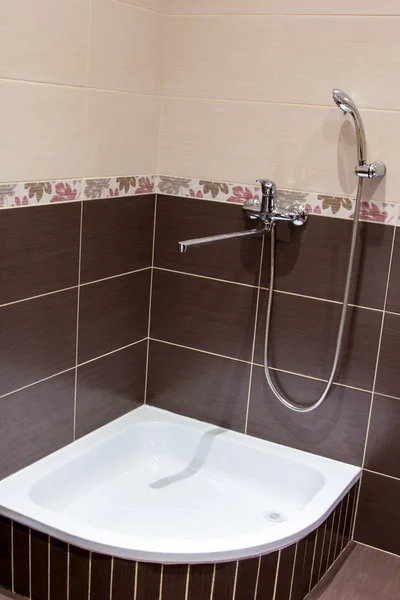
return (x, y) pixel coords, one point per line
(275, 516)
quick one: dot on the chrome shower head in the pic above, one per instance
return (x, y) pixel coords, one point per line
(347, 105)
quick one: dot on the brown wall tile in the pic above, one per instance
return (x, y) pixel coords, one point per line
(117, 236)
(303, 565)
(198, 385)
(37, 339)
(182, 218)
(313, 260)
(123, 579)
(21, 560)
(35, 422)
(200, 582)
(388, 381)
(378, 523)
(224, 581)
(5, 552)
(148, 581)
(174, 582)
(267, 575)
(58, 569)
(393, 299)
(383, 449)
(337, 429)
(110, 387)
(285, 573)
(201, 313)
(78, 573)
(39, 250)
(100, 577)
(113, 314)
(246, 578)
(303, 339)
(39, 565)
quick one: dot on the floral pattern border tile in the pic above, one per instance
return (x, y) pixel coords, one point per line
(13, 195)
(317, 204)
(110, 187)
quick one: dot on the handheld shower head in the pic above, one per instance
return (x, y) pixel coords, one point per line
(347, 105)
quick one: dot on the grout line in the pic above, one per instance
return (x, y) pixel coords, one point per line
(322, 549)
(90, 576)
(381, 474)
(258, 578)
(136, 581)
(206, 277)
(30, 565)
(342, 547)
(338, 531)
(377, 549)
(111, 577)
(350, 387)
(288, 14)
(73, 287)
(140, 7)
(313, 558)
(146, 377)
(12, 555)
(254, 336)
(77, 319)
(114, 276)
(293, 571)
(278, 564)
(87, 362)
(246, 362)
(48, 568)
(235, 580)
(213, 582)
(187, 583)
(68, 570)
(36, 382)
(330, 541)
(387, 395)
(160, 593)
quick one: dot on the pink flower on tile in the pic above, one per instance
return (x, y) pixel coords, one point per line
(145, 186)
(241, 195)
(193, 194)
(113, 193)
(21, 201)
(64, 193)
(371, 212)
(316, 210)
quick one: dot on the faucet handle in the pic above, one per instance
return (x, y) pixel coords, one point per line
(268, 187)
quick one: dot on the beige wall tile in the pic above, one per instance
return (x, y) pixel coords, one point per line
(127, 45)
(44, 40)
(314, 149)
(158, 5)
(342, 7)
(320, 53)
(122, 133)
(41, 131)
(240, 59)
(221, 140)
(226, 7)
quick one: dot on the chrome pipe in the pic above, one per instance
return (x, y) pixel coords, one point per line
(183, 246)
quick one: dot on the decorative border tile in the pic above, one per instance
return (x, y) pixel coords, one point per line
(110, 187)
(317, 204)
(13, 195)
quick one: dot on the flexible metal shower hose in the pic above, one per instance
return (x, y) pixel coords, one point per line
(289, 403)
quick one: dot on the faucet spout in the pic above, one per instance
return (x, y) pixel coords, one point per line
(205, 241)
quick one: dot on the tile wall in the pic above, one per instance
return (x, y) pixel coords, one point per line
(74, 308)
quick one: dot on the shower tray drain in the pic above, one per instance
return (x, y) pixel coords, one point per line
(274, 516)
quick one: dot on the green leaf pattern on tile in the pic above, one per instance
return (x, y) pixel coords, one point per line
(97, 188)
(124, 183)
(214, 188)
(6, 190)
(335, 203)
(38, 188)
(173, 185)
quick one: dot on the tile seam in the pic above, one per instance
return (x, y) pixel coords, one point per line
(77, 320)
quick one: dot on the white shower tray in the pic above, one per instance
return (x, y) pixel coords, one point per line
(158, 487)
